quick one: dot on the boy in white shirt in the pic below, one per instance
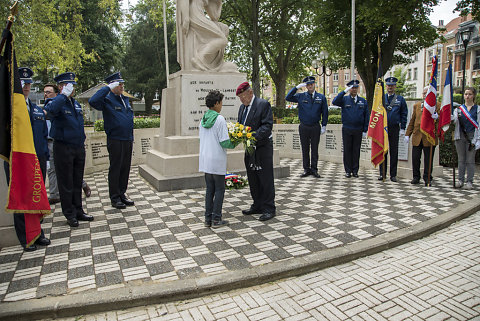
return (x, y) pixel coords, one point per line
(214, 140)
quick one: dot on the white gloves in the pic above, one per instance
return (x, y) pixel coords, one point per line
(67, 90)
(301, 85)
(23, 83)
(477, 145)
(402, 132)
(435, 116)
(347, 89)
(406, 139)
(323, 130)
(364, 134)
(113, 85)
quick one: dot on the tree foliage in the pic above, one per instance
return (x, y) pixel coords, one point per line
(403, 88)
(144, 60)
(402, 26)
(469, 6)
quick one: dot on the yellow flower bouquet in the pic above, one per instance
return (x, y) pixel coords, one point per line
(239, 133)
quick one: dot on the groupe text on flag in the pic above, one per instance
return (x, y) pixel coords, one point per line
(427, 124)
(26, 191)
(446, 108)
(377, 126)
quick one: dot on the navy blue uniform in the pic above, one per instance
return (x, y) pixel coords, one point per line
(118, 124)
(397, 113)
(355, 116)
(69, 152)
(311, 109)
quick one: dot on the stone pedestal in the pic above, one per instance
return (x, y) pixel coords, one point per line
(173, 162)
(7, 231)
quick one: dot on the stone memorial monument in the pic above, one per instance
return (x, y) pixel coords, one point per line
(201, 40)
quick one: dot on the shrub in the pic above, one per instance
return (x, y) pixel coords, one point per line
(138, 122)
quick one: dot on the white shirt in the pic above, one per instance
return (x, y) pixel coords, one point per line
(248, 109)
(213, 157)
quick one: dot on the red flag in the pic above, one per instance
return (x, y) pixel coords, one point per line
(26, 193)
(427, 124)
(446, 109)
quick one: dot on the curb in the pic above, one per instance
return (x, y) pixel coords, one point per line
(161, 292)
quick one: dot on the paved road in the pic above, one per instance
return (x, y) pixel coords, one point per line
(435, 278)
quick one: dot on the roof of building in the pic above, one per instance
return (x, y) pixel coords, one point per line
(91, 91)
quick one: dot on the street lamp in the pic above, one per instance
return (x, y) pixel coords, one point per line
(321, 62)
(465, 35)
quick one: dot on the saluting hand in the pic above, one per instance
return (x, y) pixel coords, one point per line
(113, 85)
(301, 85)
(67, 90)
(347, 89)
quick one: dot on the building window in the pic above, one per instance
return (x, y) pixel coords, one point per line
(415, 58)
(335, 77)
(476, 63)
(335, 89)
(409, 74)
(415, 73)
(430, 56)
(347, 76)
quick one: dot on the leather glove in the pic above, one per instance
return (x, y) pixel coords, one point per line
(113, 85)
(406, 139)
(301, 85)
(402, 132)
(435, 115)
(23, 83)
(323, 130)
(347, 89)
(364, 134)
(67, 90)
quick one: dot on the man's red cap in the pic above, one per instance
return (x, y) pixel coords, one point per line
(243, 86)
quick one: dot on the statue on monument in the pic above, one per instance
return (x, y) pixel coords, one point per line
(201, 40)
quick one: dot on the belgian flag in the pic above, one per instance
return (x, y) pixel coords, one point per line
(26, 192)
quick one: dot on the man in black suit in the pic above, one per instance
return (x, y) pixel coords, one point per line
(257, 114)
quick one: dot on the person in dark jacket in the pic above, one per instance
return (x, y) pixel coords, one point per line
(69, 149)
(312, 108)
(355, 116)
(118, 124)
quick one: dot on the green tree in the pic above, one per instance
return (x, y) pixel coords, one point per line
(403, 27)
(403, 88)
(469, 6)
(144, 60)
(279, 33)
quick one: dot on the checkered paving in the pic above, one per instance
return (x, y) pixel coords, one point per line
(162, 237)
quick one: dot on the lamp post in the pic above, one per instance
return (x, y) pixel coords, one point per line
(321, 62)
(465, 34)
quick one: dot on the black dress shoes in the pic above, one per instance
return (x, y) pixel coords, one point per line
(127, 202)
(250, 212)
(348, 175)
(73, 222)
(266, 216)
(355, 175)
(43, 241)
(315, 174)
(84, 217)
(52, 201)
(118, 204)
(415, 181)
(305, 174)
(393, 179)
(30, 248)
(380, 178)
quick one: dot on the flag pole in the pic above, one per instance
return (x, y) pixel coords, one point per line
(384, 169)
(10, 20)
(352, 64)
(450, 57)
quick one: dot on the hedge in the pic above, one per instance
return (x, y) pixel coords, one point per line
(138, 122)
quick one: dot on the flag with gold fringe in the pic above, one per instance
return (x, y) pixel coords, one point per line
(26, 192)
(427, 124)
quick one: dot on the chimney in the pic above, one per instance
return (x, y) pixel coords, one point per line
(440, 23)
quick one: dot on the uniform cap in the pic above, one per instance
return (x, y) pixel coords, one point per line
(243, 87)
(309, 80)
(391, 81)
(26, 74)
(66, 77)
(353, 83)
(114, 77)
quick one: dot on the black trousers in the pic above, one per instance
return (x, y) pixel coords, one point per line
(309, 139)
(120, 155)
(393, 133)
(417, 155)
(19, 218)
(69, 165)
(261, 181)
(352, 141)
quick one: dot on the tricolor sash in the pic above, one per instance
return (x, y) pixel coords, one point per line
(467, 115)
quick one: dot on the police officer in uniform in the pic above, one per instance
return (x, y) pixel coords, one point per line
(40, 132)
(355, 116)
(69, 149)
(312, 107)
(397, 113)
(118, 120)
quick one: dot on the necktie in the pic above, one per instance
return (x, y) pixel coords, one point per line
(244, 116)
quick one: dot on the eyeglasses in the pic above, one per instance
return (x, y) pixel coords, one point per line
(48, 92)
